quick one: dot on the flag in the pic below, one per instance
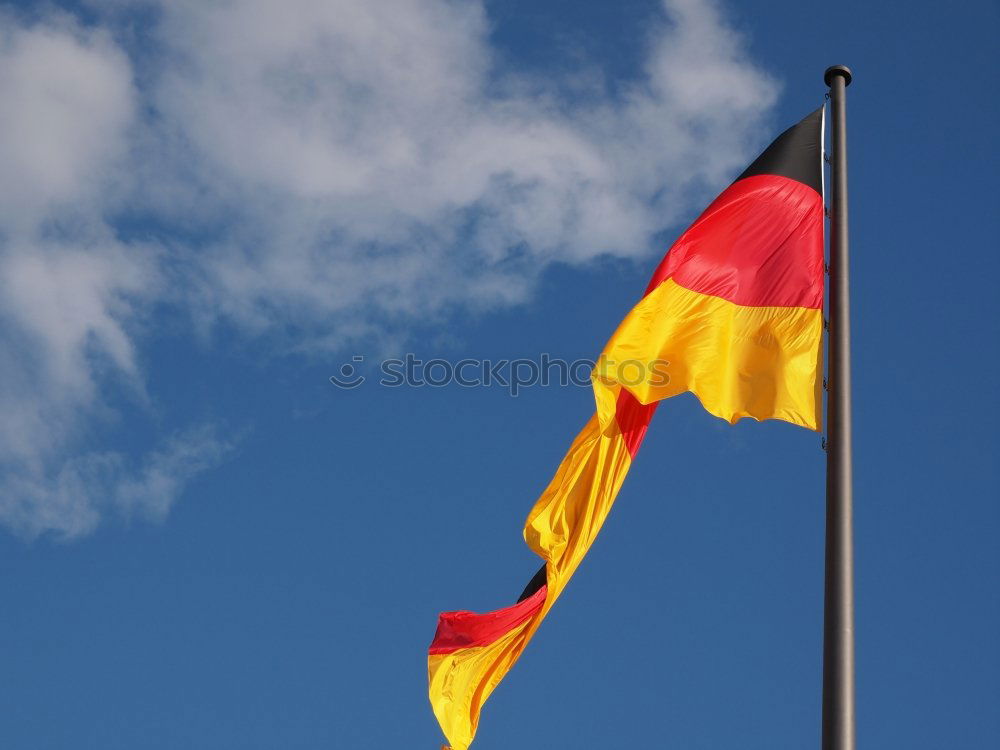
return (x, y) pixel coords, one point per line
(733, 314)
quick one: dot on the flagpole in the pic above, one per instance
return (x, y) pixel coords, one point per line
(838, 605)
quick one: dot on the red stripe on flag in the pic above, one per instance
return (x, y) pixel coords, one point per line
(457, 630)
(760, 243)
(633, 419)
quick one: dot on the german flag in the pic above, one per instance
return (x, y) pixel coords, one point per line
(734, 314)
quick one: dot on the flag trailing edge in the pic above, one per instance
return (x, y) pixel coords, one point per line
(735, 309)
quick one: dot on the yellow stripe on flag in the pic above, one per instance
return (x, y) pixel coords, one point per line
(740, 361)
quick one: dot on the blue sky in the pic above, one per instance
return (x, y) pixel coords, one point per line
(205, 211)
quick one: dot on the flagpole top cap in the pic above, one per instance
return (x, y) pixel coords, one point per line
(837, 70)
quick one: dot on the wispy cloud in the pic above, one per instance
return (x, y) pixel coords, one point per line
(314, 171)
(70, 500)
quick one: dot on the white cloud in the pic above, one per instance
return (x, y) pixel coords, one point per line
(331, 128)
(69, 501)
(68, 101)
(343, 165)
(69, 290)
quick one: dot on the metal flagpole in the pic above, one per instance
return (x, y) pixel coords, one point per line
(838, 605)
